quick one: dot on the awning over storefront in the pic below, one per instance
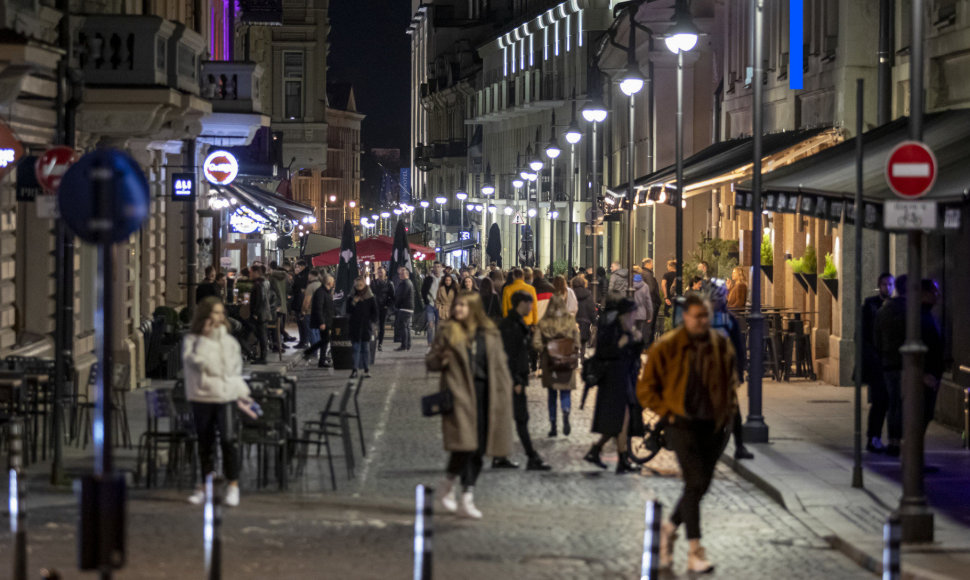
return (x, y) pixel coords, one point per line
(258, 196)
(823, 185)
(376, 249)
(726, 161)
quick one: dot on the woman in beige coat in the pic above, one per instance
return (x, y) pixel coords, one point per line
(447, 291)
(469, 352)
(556, 323)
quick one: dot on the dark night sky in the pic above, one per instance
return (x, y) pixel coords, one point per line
(369, 48)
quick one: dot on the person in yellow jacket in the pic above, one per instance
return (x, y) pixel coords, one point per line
(518, 283)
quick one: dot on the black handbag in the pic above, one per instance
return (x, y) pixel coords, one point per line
(440, 403)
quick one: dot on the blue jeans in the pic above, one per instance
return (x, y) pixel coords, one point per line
(431, 315)
(314, 333)
(565, 401)
(361, 355)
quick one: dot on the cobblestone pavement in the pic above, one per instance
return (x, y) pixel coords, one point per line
(573, 522)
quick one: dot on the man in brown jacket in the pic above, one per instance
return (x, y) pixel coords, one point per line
(690, 379)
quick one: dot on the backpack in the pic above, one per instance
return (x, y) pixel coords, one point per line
(563, 354)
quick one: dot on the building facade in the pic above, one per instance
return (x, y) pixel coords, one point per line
(341, 180)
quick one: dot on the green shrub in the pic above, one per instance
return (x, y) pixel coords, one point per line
(807, 264)
(720, 255)
(830, 272)
(560, 268)
(767, 251)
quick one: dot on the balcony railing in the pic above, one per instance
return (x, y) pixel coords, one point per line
(232, 87)
(125, 50)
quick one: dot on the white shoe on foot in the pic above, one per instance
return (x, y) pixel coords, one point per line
(197, 497)
(447, 499)
(467, 509)
(232, 495)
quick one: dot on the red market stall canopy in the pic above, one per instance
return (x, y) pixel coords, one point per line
(376, 249)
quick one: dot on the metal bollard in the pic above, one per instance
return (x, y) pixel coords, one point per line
(214, 488)
(892, 533)
(18, 509)
(650, 565)
(423, 532)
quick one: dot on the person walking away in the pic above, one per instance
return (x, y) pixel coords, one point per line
(691, 379)
(934, 363)
(447, 291)
(279, 280)
(871, 366)
(519, 284)
(737, 288)
(314, 281)
(301, 278)
(470, 355)
(404, 306)
(561, 288)
(490, 300)
(362, 311)
(517, 339)
(260, 312)
(556, 339)
(384, 296)
(617, 353)
(668, 285)
(207, 287)
(889, 336)
(641, 297)
(727, 325)
(429, 292)
(214, 386)
(321, 318)
(619, 277)
(585, 313)
(544, 291)
(646, 267)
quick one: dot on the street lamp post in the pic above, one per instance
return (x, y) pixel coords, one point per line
(536, 177)
(384, 217)
(332, 199)
(508, 211)
(552, 152)
(461, 196)
(424, 217)
(631, 84)
(594, 112)
(517, 183)
(488, 189)
(573, 136)
(441, 201)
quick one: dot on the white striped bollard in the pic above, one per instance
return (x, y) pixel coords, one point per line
(423, 532)
(18, 509)
(892, 532)
(650, 565)
(214, 487)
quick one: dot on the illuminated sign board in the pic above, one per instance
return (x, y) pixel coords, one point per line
(183, 186)
(246, 221)
(220, 168)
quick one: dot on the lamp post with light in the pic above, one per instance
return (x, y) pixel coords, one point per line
(441, 201)
(384, 217)
(352, 205)
(535, 176)
(488, 190)
(332, 199)
(552, 152)
(631, 84)
(594, 112)
(573, 136)
(424, 217)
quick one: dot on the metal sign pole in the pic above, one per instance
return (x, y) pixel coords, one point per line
(859, 224)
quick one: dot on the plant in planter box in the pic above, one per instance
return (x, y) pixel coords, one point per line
(767, 251)
(806, 268)
(830, 272)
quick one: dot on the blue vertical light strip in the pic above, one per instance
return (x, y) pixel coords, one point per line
(795, 43)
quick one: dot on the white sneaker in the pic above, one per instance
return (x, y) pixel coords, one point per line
(446, 499)
(197, 497)
(232, 495)
(467, 509)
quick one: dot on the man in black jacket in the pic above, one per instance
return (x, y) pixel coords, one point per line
(404, 304)
(321, 316)
(872, 364)
(890, 334)
(651, 281)
(301, 277)
(517, 341)
(260, 312)
(384, 295)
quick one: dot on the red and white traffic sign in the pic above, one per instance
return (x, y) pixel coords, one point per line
(911, 169)
(52, 165)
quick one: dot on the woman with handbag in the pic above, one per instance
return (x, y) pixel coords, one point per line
(556, 339)
(362, 311)
(616, 362)
(475, 401)
(215, 388)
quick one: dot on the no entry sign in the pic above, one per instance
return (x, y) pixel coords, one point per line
(52, 165)
(911, 169)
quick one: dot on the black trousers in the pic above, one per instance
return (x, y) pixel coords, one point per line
(402, 324)
(738, 429)
(258, 327)
(698, 446)
(381, 322)
(879, 404)
(323, 344)
(520, 412)
(468, 464)
(213, 421)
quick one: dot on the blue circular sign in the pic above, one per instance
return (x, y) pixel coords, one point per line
(104, 197)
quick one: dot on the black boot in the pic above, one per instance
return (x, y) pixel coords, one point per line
(504, 463)
(552, 430)
(537, 464)
(741, 452)
(566, 428)
(623, 465)
(593, 456)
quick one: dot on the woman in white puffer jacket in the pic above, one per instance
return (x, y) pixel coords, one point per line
(215, 387)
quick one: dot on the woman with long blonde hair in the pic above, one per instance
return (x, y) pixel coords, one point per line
(737, 288)
(557, 324)
(468, 351)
